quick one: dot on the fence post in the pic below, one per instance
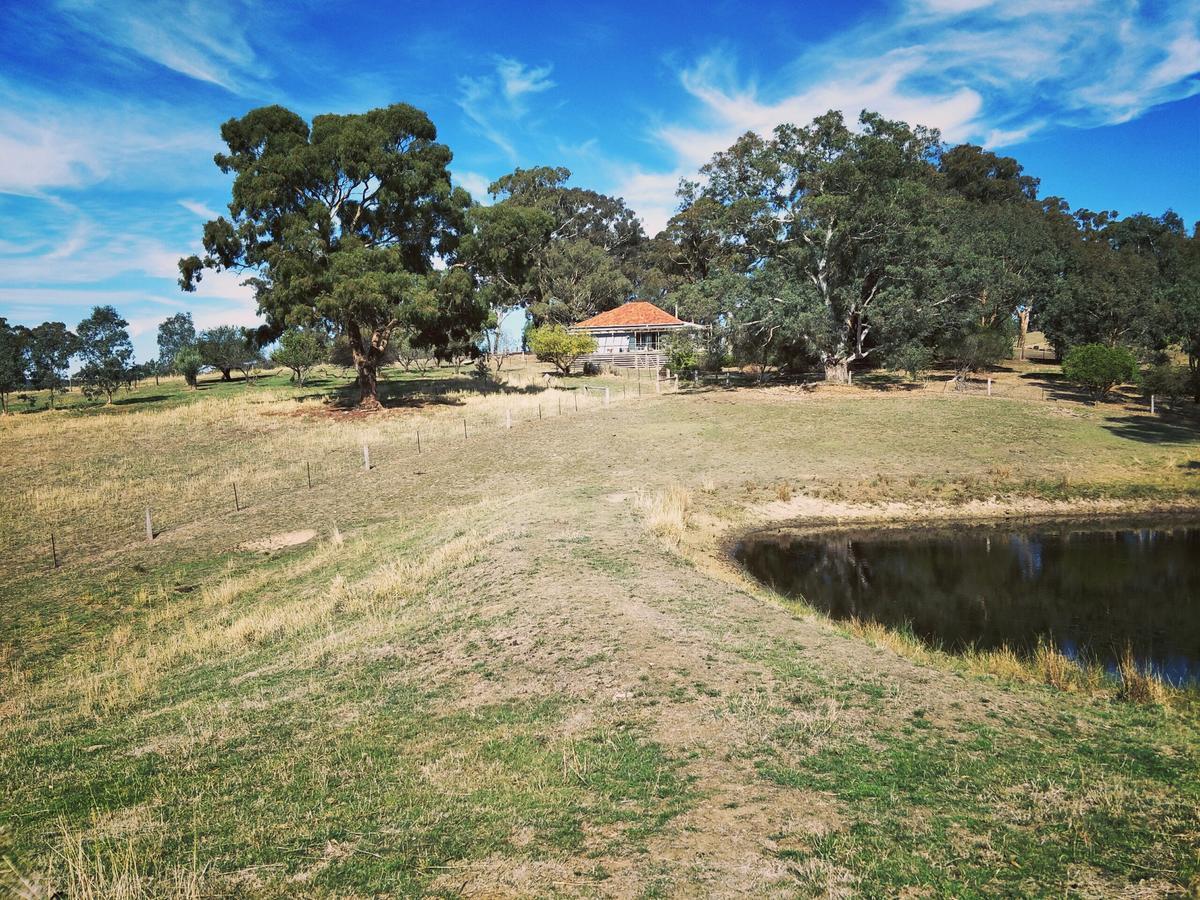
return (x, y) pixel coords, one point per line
(149, 526)
(308, 472)
(237, 506)
(606, 397)
(539, 412)
(1151, 404)
(989, 387)
(418, 440)
(464, 428)
(53, 550)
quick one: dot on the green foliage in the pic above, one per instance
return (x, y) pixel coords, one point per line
(975, 348)
(299, 350)
(1170, 383)
(341, 222)
(50, 348)
(912, 358)
(174, 334)
(107, 352)
(554, 344)
(577, 280)
(225, 348)
(1099, 368)
(188, 362)
(14, 341)
(683, 353)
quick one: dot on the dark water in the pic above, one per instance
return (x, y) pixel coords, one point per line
(1090, 589)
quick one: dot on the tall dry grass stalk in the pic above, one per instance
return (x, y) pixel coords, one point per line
(667, 512)
(1139, 685)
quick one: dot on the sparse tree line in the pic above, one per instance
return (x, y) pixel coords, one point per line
(822, 246)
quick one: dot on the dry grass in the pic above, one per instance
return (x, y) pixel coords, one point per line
(666, 513)
(1139, 685)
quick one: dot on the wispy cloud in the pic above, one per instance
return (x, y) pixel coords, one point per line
(475, 184)
(201, 39)
(496, 101)
(992, 71)
(199, 209)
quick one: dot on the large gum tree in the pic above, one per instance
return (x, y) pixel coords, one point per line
(344, 222)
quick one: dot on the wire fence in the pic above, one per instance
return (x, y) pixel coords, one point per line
(94, 526)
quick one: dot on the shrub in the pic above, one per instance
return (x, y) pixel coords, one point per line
(300, 350)
(554, 344)
(912, 359)
(1170, 383)
(1099, 368)
(187, 362)
(682, 353)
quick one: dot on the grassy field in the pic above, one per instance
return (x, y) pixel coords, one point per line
(518, 662)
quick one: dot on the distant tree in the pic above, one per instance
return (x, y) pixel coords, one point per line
(188, 363)
(300, 349)
(1168, 382)
(341, 222)
(107, 352)
(554, 344)
(225, 348)
(51, 346)
(1099, 367)
(14, 366)
(977, 347)
(174, 334)
(576, 281)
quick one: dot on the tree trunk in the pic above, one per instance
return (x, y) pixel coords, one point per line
(225, 376)
(368, 384)
(1023, 321)
(837, 371)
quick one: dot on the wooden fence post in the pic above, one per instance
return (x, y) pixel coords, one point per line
(149, 526)
(366, 458)
(308, 472)
(989, 387)
(53, 551)
(1151, 404)
(418, 440)
(237, 506)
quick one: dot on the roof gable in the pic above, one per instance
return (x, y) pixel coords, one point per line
(635, 312)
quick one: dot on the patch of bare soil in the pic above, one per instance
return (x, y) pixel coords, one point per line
(280, 541)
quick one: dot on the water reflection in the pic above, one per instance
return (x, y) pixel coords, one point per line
(1090, 589)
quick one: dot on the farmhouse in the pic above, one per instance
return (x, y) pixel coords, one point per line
(633, 334)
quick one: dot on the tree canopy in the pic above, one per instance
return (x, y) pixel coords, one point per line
(344, 222)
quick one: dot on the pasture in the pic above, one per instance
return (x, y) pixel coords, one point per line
(517, 661)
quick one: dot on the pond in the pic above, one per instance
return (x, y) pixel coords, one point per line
(1088, 588)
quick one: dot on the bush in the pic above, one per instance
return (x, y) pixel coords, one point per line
(682, 353)
(1167, 382)
(554, 344)
(912, 359)
(1099, 368)
(187, 362)
(300, 350)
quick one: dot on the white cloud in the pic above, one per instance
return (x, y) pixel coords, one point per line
(476, 185)
(497, 101)
(990, 71)
(200, 209)
(201, 39)
(48, 144)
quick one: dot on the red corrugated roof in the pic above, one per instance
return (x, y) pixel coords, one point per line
(635, 312)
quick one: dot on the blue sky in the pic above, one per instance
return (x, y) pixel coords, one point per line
(109, 110)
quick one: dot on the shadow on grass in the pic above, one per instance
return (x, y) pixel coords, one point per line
(131, 401)
(1155, 430)
(427, 392)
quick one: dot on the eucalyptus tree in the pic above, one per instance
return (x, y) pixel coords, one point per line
(174, 334)
(561, 252)
(106, 351)
(836, 212)
(344, 222)
(14, 364)
(50, 348)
